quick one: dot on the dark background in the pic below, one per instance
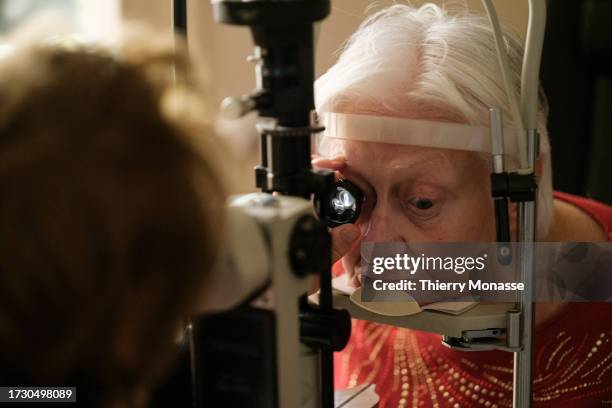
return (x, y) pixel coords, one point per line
(576, 74)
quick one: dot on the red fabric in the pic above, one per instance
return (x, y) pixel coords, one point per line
(598, 211)
(573, 354)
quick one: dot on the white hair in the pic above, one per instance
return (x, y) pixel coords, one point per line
(430, 64)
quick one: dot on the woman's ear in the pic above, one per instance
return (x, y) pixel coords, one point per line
(539, 167)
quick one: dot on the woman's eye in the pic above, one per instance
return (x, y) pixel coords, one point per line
(423, 203)
(367, 203)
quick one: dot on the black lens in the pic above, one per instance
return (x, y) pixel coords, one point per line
(344, 204)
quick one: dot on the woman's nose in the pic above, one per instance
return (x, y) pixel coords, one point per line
(382, 226)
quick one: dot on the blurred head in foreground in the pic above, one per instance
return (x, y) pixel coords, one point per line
(109, 206)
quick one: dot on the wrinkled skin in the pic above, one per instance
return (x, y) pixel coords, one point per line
(412, 194)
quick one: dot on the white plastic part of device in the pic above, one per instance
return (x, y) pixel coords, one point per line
(243, 267)
(385, 129)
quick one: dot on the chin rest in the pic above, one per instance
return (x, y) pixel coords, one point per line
(483, 316)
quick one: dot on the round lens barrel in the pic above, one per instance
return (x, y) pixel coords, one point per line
(344, 204)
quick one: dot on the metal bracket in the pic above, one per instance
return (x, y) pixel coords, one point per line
(503, 339)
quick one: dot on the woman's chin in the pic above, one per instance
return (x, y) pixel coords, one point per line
(356, 275)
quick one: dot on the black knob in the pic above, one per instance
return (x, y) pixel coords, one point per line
(310, 247)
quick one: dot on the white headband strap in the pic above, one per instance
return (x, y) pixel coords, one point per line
(385, 129)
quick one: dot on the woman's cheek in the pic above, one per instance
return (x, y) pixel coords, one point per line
(351, 260)
(472, 224)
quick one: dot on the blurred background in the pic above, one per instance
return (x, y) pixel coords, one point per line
(97, 18)
(222, 51)
(224, 48)
(576, 68)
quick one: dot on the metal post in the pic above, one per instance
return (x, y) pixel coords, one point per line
(179, 17)
(523, 360)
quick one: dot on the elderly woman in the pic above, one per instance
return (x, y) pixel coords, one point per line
(425, 64)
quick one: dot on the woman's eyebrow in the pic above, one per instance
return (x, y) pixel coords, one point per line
(431, 162)
(433, 168)
(355, 176)
(351, 173)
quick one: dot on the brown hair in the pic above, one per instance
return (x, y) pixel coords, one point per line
(109, 213)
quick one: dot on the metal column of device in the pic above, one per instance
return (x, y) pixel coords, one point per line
(276, 349)
(527, 228)
(523, 359)
(179, 16)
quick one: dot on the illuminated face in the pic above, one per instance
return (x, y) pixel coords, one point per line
(417, 194)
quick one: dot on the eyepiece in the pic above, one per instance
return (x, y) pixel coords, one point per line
(344, 204)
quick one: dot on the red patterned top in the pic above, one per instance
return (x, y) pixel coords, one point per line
(573, 358)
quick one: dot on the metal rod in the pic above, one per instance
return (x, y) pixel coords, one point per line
(179, 17)
(523, 360)
(497, 139)
(502, 227)
(327, 379)
(327, 355)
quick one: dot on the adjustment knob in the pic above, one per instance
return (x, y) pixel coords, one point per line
(309, 247)
(234, 108)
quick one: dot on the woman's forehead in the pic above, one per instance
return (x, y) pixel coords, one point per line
(392, 156)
